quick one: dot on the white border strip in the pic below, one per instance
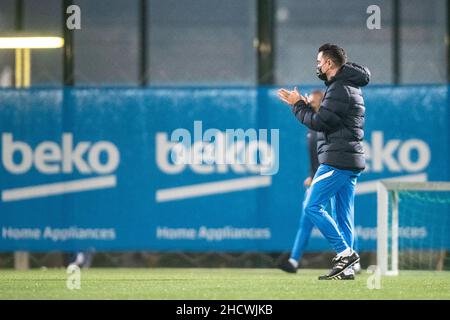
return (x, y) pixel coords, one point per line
(371, 186)
(210, 188)
(321, 177)
(53, 189)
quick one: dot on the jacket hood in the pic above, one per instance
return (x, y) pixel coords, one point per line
(354, 73)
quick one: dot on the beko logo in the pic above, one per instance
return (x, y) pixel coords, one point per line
(396, 155)
(409, 157)
(239, 151)
(49, 158)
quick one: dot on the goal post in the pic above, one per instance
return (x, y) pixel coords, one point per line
(388, 219)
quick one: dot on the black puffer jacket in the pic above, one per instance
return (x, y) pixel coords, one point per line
(312, 150)
(340, 119)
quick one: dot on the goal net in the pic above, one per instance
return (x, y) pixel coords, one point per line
(413, 226)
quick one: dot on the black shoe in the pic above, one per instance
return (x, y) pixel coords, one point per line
(286, 266)
(340, 264)
(344, 276)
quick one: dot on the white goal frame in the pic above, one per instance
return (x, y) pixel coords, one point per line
(384, 188)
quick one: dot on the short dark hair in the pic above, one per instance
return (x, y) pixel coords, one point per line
(335, 53)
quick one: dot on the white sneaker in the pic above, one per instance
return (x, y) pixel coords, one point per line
(349, 271)
(357, 268)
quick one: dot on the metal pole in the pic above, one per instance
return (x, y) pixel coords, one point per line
(143, 66)
(22, 79)
(447, 41)
(68, 81)
(19, 67)
(27, 67)
(396, 75)
(68, 51)
(395, 223)
(382, 227)
(19, 15)
(265, 42)
(19, 52)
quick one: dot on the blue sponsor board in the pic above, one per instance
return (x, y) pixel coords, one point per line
(96, 168)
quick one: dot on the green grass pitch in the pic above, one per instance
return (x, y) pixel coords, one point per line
(228, 284)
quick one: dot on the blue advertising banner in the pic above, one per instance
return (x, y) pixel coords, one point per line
(103, 168)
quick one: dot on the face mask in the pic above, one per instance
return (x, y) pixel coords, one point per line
(320, 74)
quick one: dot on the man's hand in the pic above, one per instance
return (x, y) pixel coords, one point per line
(291, 97)
(307, 182)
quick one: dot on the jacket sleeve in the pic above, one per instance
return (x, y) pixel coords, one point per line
(312, 150)
(330, 114)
